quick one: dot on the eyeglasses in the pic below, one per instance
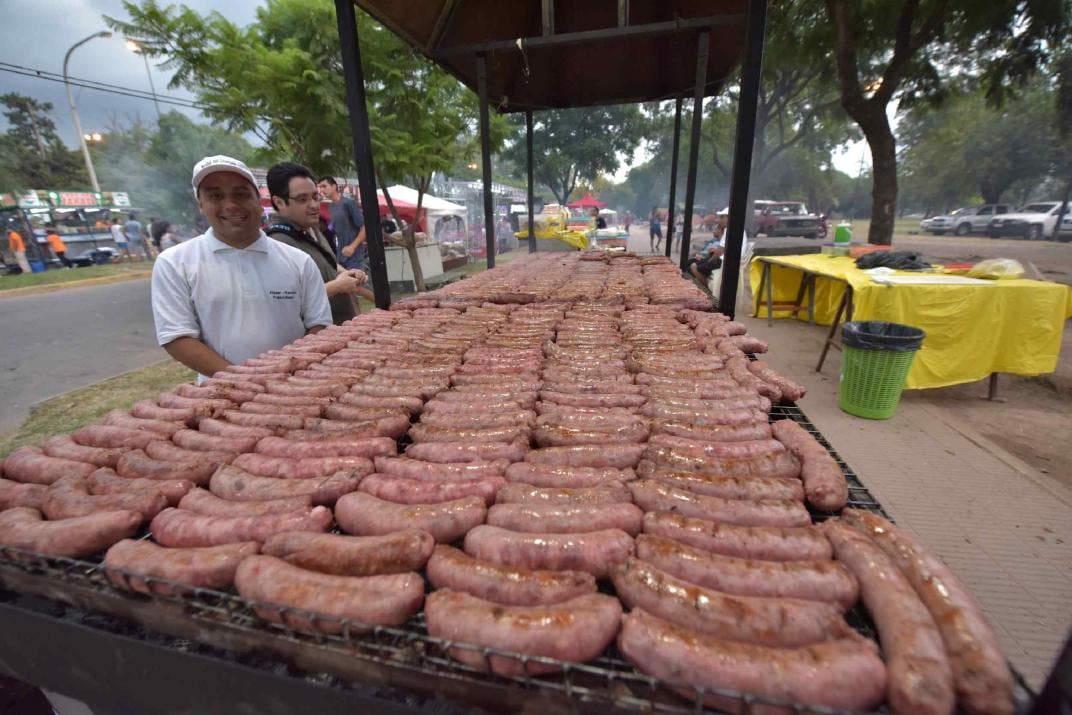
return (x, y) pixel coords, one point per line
(306, 198)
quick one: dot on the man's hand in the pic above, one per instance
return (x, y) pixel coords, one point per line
(344, 283)
(349, 249)
(360, 276)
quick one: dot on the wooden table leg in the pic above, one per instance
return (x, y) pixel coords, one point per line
(811, 299)
(759, 291)
(842, 307)
(992, 390)
(770, 294)
(801, 290)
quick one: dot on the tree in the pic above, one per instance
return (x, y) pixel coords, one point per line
(32, 156)
(908, 49)
(577, 145)
(281, 78)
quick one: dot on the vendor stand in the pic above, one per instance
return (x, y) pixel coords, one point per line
(974, 329)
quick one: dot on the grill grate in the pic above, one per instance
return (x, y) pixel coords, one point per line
(608, 682)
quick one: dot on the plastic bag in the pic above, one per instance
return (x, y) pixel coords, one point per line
(880, 335)
(898, 260)
(997, 268)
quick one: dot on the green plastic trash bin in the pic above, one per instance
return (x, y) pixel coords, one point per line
(875, 360)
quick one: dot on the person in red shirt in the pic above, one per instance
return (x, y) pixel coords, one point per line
(57, 245)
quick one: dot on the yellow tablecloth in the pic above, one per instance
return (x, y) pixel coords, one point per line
(1011, 326)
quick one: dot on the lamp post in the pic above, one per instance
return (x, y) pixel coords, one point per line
(74, 111)
(137, 49)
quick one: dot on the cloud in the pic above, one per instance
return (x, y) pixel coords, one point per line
(38, 34)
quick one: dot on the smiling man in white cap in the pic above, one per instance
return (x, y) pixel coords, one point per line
(232, 293)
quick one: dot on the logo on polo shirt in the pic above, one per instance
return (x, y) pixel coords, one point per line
(283, 294)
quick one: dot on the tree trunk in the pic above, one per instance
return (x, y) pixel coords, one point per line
(876, 127)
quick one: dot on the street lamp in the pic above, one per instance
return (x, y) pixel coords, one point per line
(74, 111)
(135, 47)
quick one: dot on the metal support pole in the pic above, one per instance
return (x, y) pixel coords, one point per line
(152, 87)
(751, 71)
(354, 76)
(703, 44)
(673, 178)
(74, 111)
(485, 157)
(532, 201)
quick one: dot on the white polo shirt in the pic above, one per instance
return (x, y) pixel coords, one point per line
(239, 302)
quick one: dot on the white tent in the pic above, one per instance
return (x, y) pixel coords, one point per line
(435, 208)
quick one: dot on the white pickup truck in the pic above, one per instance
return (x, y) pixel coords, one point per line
(1033, 221)
(974, 219)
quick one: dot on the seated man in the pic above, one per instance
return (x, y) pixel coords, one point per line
(709, 257)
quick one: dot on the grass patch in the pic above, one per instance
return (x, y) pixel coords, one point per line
(54, 276)
(67, 412)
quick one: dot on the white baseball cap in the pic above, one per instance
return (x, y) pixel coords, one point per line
(213, 164)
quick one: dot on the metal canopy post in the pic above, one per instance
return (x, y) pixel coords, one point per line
(532, 201)
(751, 71)
(673, 177)
(354, 76)
(703, 44)
(485, 157)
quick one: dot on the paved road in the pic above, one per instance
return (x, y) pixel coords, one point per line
(55, 342)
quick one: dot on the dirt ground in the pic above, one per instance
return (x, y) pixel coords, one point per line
(1032, 418)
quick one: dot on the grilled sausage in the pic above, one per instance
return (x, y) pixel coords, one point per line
(827, 581)
(286, 412)
(220, 428)
(369, 447)
(13, 494)
(178, 527)
(232, 483)
(24, 528)
(122, 418)
(785, 622)
(824, 482)
(301, 467)
(148, 409)
(432, 471)
(398, 552)
(365, 515)
(281, 418)
(920, 679)
(423, 432)
(30, 465)
(981, 677)
(653, 495)
(780, 464)
(385, 600)
(202, 501)
(203, 442)
(595, 552)
(751, 488)
(618, 456)
(106, 481)
(447, 452)
(401, 490)
(519, 493)
(454, 569)
(70, 497)
(552, 475)
(171, 452)
(138, 465)
(567, 518)
(576, 630)
(744, 542)
(712, 433)
(129, 563)
(63, 447)
(844, 674)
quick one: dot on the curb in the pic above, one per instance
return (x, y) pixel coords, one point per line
(55, 287)
(37, 405)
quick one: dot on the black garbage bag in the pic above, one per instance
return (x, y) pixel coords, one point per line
(898, 260)
(880, 335)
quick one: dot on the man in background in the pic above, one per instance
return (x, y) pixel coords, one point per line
(296, 222)
(57, 245)
(17, 246)
(349, 227)
(120, 237)
(135, 237)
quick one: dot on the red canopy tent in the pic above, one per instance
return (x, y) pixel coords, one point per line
(586, 202)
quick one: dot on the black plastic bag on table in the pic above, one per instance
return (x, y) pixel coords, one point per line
(898, 260)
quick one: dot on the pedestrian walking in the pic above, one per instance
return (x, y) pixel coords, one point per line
(232, 293)
(169, 237)
(655, 230)
(57, 245)
(349, 226)
(120, 238)
(628, 221)
(135, 235)
(18, 247)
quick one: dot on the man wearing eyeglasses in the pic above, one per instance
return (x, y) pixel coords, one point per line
(295, 222)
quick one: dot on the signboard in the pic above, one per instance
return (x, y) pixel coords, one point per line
(32, 200)
(74, 199)
(118, 199)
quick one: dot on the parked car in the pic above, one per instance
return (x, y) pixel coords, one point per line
(973, 219)
(786, 218)
(1065, 234)
(1034, 221)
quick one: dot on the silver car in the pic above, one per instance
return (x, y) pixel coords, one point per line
(973, 219)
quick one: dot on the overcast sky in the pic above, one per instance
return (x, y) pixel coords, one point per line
(37, 34)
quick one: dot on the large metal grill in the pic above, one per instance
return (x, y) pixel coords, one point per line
(405, 659)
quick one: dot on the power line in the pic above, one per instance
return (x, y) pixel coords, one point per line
(99, 86)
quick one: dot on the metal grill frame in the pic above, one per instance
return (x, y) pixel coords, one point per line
(406, 656)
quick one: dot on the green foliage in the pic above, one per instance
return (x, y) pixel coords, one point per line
(577, 145)
(967, 149)
(154, 164)
(32, 156)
